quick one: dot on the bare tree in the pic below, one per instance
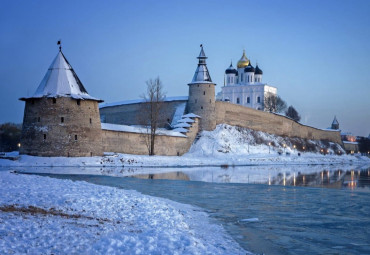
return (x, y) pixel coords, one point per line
(274, 103)
(293, 114)
(150, 115)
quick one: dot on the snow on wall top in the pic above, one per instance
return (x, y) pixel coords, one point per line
(187, 120)
(137, 101)
(190, 115)
(61, 81)
(180, 109)
(139, 130)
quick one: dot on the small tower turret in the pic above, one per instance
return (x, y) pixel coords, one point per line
(61, 118)
(249, 74)
(258, 74)
(231, 75)
(335, 123)
(202, 95)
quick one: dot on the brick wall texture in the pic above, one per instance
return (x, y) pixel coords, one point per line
(237, 115)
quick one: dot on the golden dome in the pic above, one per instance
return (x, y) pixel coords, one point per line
(244, 61)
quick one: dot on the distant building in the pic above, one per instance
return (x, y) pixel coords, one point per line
(244, 85)
(335, 123)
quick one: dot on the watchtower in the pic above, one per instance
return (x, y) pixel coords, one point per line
(61, 118)
(202, 95)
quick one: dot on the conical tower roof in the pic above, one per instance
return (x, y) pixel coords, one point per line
(61, 81)
(201, 74)
(335, 121)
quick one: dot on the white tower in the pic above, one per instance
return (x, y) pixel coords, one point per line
(258, 75)
(249, 74)
(231, 75)
(242, 63)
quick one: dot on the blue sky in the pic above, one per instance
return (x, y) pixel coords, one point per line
(315, 52)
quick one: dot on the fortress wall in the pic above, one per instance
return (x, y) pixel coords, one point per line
(45, 134)
(134, 143)
(128, 114)
(237, 115)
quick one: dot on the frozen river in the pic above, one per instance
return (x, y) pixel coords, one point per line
(270, 210)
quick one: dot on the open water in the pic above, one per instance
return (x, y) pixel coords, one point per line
(269, 211)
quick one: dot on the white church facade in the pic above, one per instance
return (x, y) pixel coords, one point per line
(244, 85)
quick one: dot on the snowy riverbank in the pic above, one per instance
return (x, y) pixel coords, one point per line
(44, 215)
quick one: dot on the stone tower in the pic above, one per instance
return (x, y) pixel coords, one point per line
(61, 118)
(335, 123)
(202, 95)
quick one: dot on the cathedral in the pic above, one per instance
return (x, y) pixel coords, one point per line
(244, 85)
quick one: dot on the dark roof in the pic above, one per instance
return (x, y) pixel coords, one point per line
(258, 70)
(231, 69)
(249, 68)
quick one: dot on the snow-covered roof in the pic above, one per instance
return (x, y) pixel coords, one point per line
(182, 130)
(201, 74)
(180, 109)
(190, 115)
(348, 142)
(138, 101)
(61, 81)
(187, 120)
(182, 125)
(140, 130)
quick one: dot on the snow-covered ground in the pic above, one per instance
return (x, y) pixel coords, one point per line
(42, 215)
(226, 145)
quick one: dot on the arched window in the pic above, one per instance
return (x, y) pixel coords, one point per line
(238, 100)
(258, 100)
(248, 100)
(248, 77)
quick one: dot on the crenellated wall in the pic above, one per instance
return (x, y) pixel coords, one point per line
(134, 143)
(237, 115)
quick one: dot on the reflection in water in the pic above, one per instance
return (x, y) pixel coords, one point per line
(165, 176)
(324, 178)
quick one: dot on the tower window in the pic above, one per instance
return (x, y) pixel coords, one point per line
(201, 107)
(248, 77)
(78, 101)
(54, 100)
(258, 100)
(44, 136)
(90, 120)
(38, 119)
(204, 92)
(238, 100)
(62, 119)
(248, 100)
(75, 137)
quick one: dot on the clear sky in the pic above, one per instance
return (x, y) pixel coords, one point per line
(315, 52)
